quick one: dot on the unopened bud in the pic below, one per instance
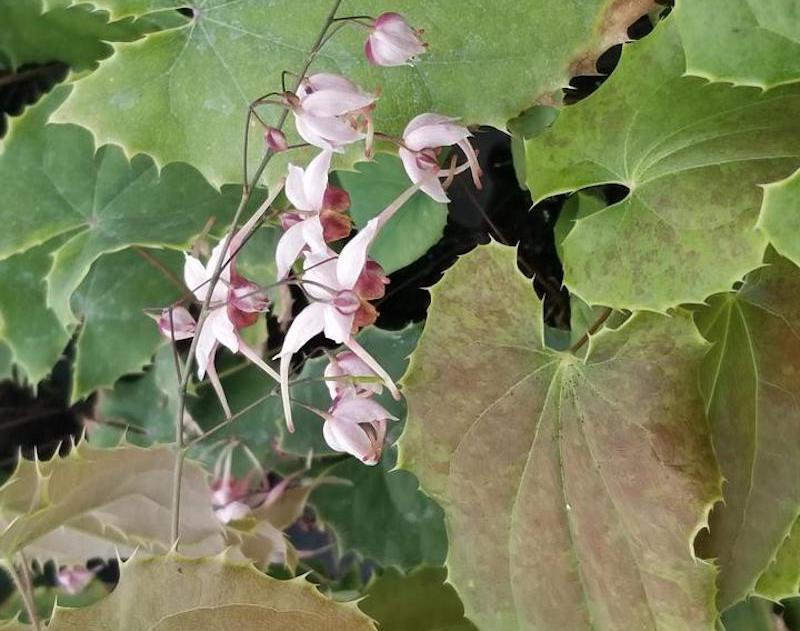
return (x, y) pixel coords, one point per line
(275, 140)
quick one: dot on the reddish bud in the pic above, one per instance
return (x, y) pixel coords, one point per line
(335, 225)
(336, 199)
(275, 139)
(371, 285)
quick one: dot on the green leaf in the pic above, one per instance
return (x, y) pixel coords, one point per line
(174, 593)
(75, 36)
(45, 600)
(56, 184)
(116, 337)
(572, 487)
(383, 514)
(420, 600)
(751, 389)
(782, 578)
(33, 333)
(416, 227)
(190, 87)
(779, 220)
(753, 614)
(95, 502)
(746, 42)
(693, 156)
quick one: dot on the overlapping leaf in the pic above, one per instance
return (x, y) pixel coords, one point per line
(746, 42)
(693, 156)
(181, 95)
(750, 383)
(55, 183)
(95, 502)
(780, 219)
(174, 593)
(782, 578)
(420, 600)
(417, 225)
(563, 480)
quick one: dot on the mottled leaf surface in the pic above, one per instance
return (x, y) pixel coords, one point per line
(183, 93)
(692, 154)
(563, 480)
(420, 600)
(780, 216)
(416, 227)
(744, 42)
(174, 593)
(94, 502)
(750, 383)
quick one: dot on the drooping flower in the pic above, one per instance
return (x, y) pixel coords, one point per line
(346, 373)
(423, 140)
(319, 214)
(235, 303)
(176, 323)
(356, 425)
(392, 42)
(331, 111)
(73, 579)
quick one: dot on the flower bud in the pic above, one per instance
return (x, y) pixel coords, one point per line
(179, 326)
(275, 140)
(74, 579)
(392, 42)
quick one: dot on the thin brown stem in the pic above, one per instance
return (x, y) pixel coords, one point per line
(180, 452)
(592, 329)
(168, 273)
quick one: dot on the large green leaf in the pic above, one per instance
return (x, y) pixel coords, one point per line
(780, 219)
(693, 156)
(95, 502)
(55, 183)
(747, 42)
(417, 226)
(73, 35)
(420, 600)
(174, 593)
(753, 614)
(182, 94)
(751, 389)
(572, 488)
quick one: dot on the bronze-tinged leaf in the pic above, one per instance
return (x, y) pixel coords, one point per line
(572, 488)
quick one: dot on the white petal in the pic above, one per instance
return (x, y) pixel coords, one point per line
(441, 135)
(336, 102)
(306, 325)
(315, 180)
(223, 329)
(432, 187)
(334, 131)
(338, 326)
(288, 249)
(353, 256)
(354, 409)
(225, 274)
(426, 120)
(308, 134)
(295, 188)
(194, 275)
(314, 235)
(348, 437)
(330, 81)
(205, 350)
(320, 272)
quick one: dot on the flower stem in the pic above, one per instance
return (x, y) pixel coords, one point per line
(180, 452)
(24, 584)
(592, 329)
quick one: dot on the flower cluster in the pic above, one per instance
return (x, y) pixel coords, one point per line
(329, 112)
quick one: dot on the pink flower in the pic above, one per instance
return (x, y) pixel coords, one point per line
(423, 139)
(228, 495)
(392, 42)
(235, 303)
(342, 376)
(320, 212)
(357, 425)
(330, 282)
(275, 140)
(179, 325)
(329, 111)
(74, 579)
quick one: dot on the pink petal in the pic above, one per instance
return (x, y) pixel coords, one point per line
(349, 438)
(307, 132)
(431, 187)
(295, 188)
(333, 131)
(370, 361)
(431, 136)
(315, 180)
(288, 249)
(354, 409)
(335, 102)
(353, 256)
(329, 81)
(347, 364)
(179, 326)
